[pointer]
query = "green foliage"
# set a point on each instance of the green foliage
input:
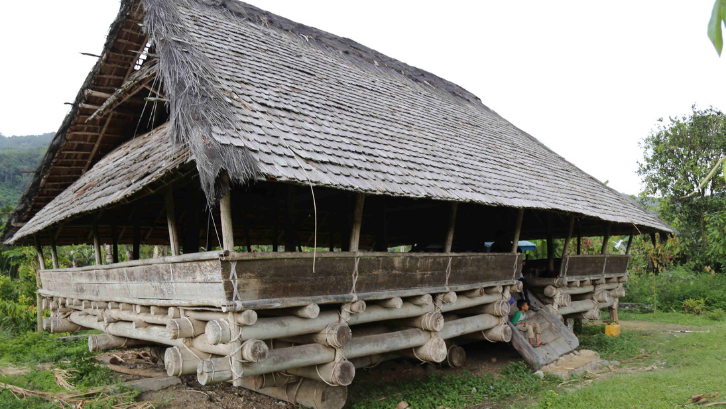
(548, 400)
(677, 156)
(670, 290)
(694, 306)
(452, 391)
(718, 16)
(716, 315)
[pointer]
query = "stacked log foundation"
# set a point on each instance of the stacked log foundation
(312, 350)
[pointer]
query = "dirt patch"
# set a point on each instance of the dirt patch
(654, 326)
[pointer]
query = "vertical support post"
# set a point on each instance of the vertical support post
(579, 238)
(96, 241)
(613, 314)
(171, 221)
(225, 213)
(449, 242)
(114, 243)
(566, 246)
(606, 239)
(357, 221)
(191, 223)
(652, 239)
(136, 252)
(38, 301)
(331, 234)
(248, 241)
(550, 246)
(236, 346)
(517, 230)
(291, 239)
(630, 241)
(53, 250)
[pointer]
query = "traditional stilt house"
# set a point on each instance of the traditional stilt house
(220, 130)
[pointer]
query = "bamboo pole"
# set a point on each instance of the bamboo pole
(517, 230)
(53, 250)
(171, 221)
(450, 231)
(96, 241)
(357, 221)
(225, 210)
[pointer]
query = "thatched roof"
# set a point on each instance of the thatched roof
(265, 98)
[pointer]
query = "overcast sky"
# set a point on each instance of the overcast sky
(589, 79)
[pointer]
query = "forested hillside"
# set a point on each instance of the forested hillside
(19, 154)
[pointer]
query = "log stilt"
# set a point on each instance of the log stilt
(395, 302)
(333, 373)
(306, 393)
(182, 361)
(185, 328)
(335, 335)
(59, 325)
(425, 299)
(104, 342)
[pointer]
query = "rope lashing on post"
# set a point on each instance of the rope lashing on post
(354, 277)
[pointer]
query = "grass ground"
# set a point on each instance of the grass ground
(661, 368)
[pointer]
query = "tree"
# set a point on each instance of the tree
(678, 156)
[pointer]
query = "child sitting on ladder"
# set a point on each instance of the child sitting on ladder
(533, 329)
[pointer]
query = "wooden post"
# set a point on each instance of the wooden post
(579, 238)
(291, 239)
(38, 301)
(114, 243)
(606, 239)
(357, 221)
(566, 246)
(652, 239)
(53, 250)
(137, 237)
(517, 230)
(225, 212)
(171, 221)
(96, 241)
(550, 246)
(630, 241)
(191, 223)
(450, 231)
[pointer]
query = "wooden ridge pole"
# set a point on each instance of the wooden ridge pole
(225, 211)
(517, 230)
(171, 221)
(96, 240)
(53, 250)
(605, 239)
(357, 221)
(450, 231)
(566, 246)
(38, 302)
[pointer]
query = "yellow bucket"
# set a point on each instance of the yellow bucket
(612, 330)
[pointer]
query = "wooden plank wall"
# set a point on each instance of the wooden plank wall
(191, 280)
(592, 265)
(285, 275)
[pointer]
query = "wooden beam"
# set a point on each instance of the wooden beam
(96, 241)
(630, 241)
(449, 240)
(53, 250)
(98, 142)
(171, 221)
(566, 246)
(39, 252)
(381, 243)
(517, 230)
(225, 212)
(357, 221)
(605, 239)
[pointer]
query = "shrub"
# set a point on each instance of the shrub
(694, 306)
(669, 290)
(716, 315)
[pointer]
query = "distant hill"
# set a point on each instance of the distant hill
(18, 154)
